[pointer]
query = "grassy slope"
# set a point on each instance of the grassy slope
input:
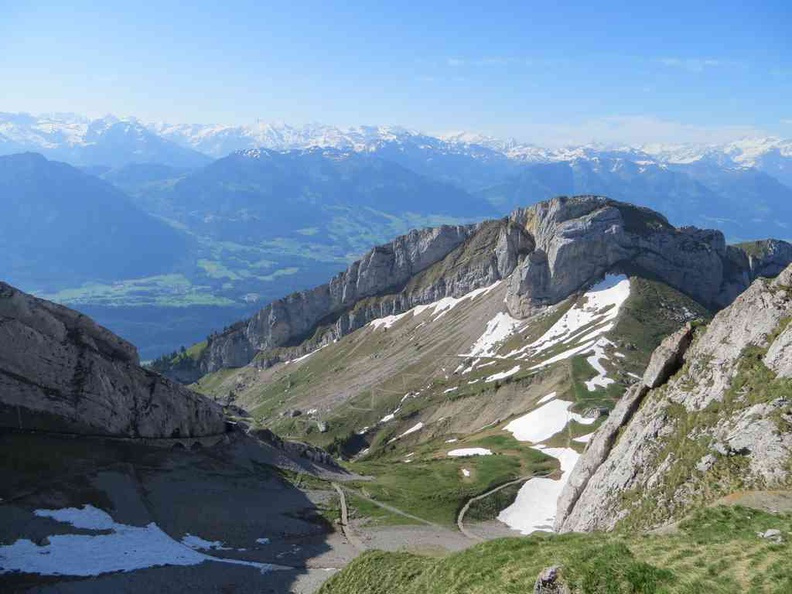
(432, 486)
(715, 551)
(374, 369)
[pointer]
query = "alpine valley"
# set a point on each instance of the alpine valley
(242, 215)
(437, 417)
(409, 363)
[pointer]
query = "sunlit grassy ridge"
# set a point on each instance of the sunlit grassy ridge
(716, 550)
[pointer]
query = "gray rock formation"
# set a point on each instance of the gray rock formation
(723, 421)
(665, 361)
(62, 372)
(297, 449)
(550, 581)
(547, 252)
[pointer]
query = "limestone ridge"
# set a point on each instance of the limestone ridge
(62, 372)
(709, 417)
(665, 361)
(547, 251)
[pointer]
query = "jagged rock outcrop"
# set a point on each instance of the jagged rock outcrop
(581, 238)
(298, 449)
(282, 322)
(550, 581)
(665, 361)
(547, 251)
(722, 422)
(62, 372)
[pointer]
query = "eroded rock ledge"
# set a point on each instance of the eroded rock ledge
(547, 251)
(62, 372)
(678, 440)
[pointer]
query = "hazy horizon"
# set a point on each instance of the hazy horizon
(576, 75)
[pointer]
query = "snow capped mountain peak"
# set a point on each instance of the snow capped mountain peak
(59, 135)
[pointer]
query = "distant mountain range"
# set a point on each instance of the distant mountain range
(81, 141)
(230, 216)
(60, 225)
(133, 141)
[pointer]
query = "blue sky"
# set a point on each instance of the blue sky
(547, 72)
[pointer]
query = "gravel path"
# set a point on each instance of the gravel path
(464, 510)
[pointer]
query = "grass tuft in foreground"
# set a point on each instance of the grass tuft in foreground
(716, 550)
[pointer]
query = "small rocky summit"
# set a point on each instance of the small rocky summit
(61, 372)
(546, 251)
(713, 414)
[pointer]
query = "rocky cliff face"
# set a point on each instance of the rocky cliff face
(61, 372)
(722, 423)
(548, 251)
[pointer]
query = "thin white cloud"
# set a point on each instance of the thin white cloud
(696, 64)
(457, 62)
(788, 122)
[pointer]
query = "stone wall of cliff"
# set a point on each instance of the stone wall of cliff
(547, 252)
(62, 372)
(722, 423)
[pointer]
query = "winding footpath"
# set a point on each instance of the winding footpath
(464, 510)
(345, 527)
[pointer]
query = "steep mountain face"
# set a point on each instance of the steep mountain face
(711, 416)
(262, 194)
(113, 478)
(61, 372)
(547, 251)
(59, 224)
(743, 203)
(462, 359)
(80, 141)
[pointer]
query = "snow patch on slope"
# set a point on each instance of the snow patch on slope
(534, 508)
(544, 422)
(503, 374)
(436, 309)
(465, 452)
(498, 329)
(124, 548)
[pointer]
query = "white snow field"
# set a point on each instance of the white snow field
(544, 422)
(125, 548)
(499, 328)
(503, 374)
(304, 357)
(465, 452)
(413, 429)
(534, 509)
(601, 380)
(438, 309)
(581, 330)
(198, 543)
(600, 306)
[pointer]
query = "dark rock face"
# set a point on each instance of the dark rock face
(60, 371)
(297, 448)
(547, 251)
